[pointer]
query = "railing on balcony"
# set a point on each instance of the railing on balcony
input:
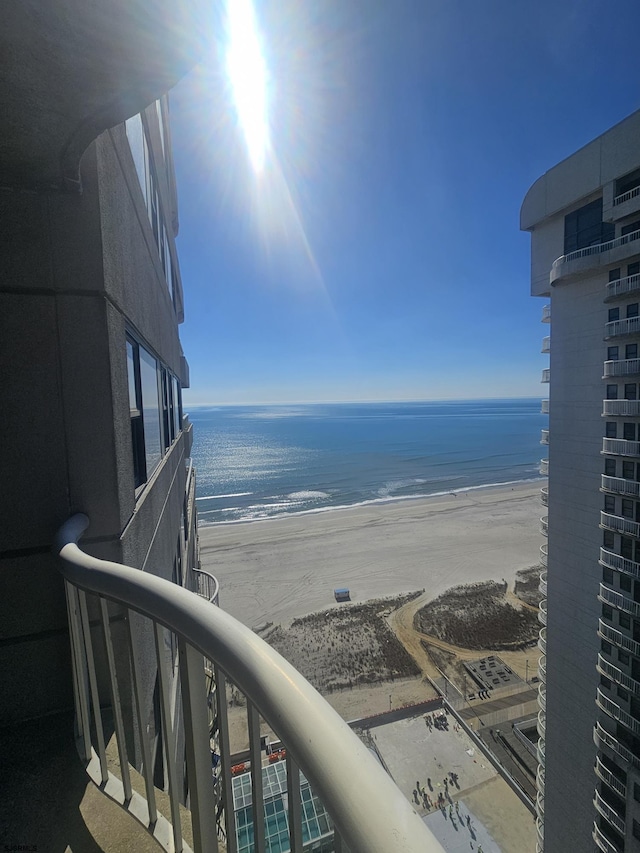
(544, 467)
(542, 586)
(542, 696)
(609, 813)
(544, 525)
(632, 193)
(546, 344)
(619, 563)
(540, 750)
(544, 553)
(542, 668)
(603, 842)
(619, 524)
(602, 737)
(368, 810)
(597, 249)
(618, 638)
(542, 717)
(542, 640)
(622, 286)
(621, 408)
(544, 495)
(542, 612)
(620, 447)
(544, 436)
(546, 313)
(612, 596)
(546, 375)
(624, 367)
(207, 586)
(544, 407)
(619, 328)
(620, 486)
(612, 781)
(617, 675)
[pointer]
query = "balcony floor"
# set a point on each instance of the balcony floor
(47, 801)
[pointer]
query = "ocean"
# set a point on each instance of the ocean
(258, 462)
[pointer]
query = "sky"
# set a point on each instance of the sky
(372, 250)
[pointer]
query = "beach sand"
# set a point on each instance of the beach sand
(278, 569)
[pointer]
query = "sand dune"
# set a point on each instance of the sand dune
(278, 569)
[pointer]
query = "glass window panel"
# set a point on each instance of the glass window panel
(150, 409)
(138, 146)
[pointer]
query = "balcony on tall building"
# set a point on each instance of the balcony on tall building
(544, 496)
(546, 313)
(542, 668)
(619, 601)
(610, 560)
(620, 486)
(603, 739)
(542, 696)
(546, 375)
(542, 586)
(542, 640)
(612, 635)
(621, 408)
(542, 612)
(603, 842)
(544, 467)
(544, 436)
(620, 447)
(197, 640)
(609, 778)
(619, 524)
(546, 344)
(622, 328)
(609, 813)
(544, 554)
(622, 287)
(623, 367)
(591, 257)
(617, 675)
(544, 525)
(544, 407)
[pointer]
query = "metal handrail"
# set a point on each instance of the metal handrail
(623, 367)
(597, 249)
(632, 193)
(623, 285)
(370, 812)
(208, 586)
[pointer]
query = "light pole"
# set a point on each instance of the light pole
(526, 670)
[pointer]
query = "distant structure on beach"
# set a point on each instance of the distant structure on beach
(584, 219)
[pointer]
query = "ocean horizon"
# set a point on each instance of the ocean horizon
(256, 462)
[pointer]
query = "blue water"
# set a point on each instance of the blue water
(256, 462)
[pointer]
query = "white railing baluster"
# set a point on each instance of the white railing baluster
(168, 736)
(147, 766)
(115, 701)
(93, 684)
(80, 686)
(196, 724)
(295, 806)
(225, 760)
(253, 722)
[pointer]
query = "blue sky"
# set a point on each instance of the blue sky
(377, 256)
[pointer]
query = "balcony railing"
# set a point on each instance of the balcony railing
(602, 737)
(544, 553)
(619, 563)
(632, 193)
(618, 638)
(620, 486)
(542, 696)
(544, 467)
(542, 668)
(603, 842)
(617, 675)
(615, 711)
(542, 717)
(612, 781)
(546, 344)
(620, 524)
(542, 640)
(609, 813)
(612, 596)
(368, 810)
(544, 436)
(622, 286)
(597, 249)
(620, 328)
(540, 750)
(540, 778)
(546, 375)
(208, 586)
(624, 367)
(544, 525)
(542, 612)
(546, 313)
(620, 447)
(544, 495)
(544, 407)
(542, 586)
(621, 408)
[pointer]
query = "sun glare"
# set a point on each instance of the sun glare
(247, 71)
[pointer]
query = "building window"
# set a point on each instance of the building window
(624, 620)
(630, 228)
(632, 310)
(623, 657)
(612, 353)
(636, 792)
(614, 275)
(608, 539)
(135, 409)
(629, 431)
(612, 392)
(605, 682)
(622, 694)
(627, 508)
(625, 583)
(628, 470)
(607, 575)
(636, 829)
(611, 429)
(610, 504)
(607, 612)
(626, 547)
(610, 467)
(633, 269)
(630, 391)
(631, 351)
(605, 647)
(614, 314)
(584, 227)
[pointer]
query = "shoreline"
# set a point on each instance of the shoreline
(382, 501)
(280, 568)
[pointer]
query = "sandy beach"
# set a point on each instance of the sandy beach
(279, 569)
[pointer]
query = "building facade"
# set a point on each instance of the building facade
(584, 220)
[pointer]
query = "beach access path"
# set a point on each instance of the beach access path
(279, 569)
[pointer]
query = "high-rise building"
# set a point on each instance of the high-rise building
(584, 219)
